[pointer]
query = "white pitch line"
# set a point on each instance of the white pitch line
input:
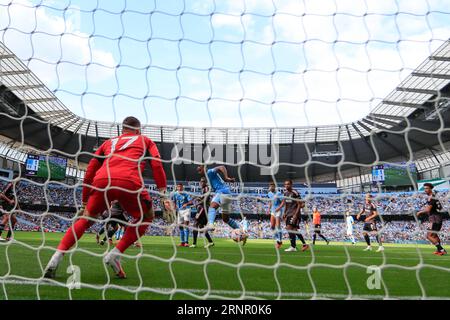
(248, 294)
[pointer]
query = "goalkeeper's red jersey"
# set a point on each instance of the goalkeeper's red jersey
(124, 158)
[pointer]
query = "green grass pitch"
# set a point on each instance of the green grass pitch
(258, 270)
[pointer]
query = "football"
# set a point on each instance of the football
(238, 235)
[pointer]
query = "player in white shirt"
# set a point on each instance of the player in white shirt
(349, 221)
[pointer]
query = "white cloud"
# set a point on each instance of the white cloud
(226, 20)
(44, 40)
(338, 67)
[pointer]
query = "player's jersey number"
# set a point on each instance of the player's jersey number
(115, 141)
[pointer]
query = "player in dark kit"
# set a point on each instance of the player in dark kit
(292, 204)
(433, 209)
(201, 220)
(370, 223)
(7, 216)
(117, 219)
(115, 173)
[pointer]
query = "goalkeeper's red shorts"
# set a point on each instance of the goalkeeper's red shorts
(133, 200)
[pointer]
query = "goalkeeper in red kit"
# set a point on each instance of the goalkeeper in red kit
(115, 173)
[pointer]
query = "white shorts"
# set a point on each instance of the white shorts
(276, 214)
(349, 232)
(224, 200)
(184, 215)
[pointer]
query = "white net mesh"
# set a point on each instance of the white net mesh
(317, 91)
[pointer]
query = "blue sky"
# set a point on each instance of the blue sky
(252, 63)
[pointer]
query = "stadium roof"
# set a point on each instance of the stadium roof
(413, 117)
(420, 90)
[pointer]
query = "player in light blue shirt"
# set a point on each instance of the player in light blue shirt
(182, 204)
(222, 197)
(275, 210)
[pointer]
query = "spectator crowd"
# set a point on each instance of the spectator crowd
(61, 195)
(55, 194)
(334, 230)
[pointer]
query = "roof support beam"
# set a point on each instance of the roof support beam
(6, 56)
(78, 127)
(315, 138)
(70, 124)
(378, 115)
(363, 138)
(389, 123)
(440, 58)
(405, 104)
(26, 87)
(431, 75)
(52, 113)
(13, 73)
(39, 100)
(291, 156)
(423, 91)
(86, 135)
(373, 124)
(365, 127)
(96, 134)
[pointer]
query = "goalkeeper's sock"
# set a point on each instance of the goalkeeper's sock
(211, 215)
(74, 233)
(293, 240)
(300, 237)
(367, 238)
(233, 224)
(323, 237)
(314, 238)
(131, 234)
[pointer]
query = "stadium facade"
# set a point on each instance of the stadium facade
(408, 125)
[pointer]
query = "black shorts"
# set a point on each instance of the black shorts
(317, 228)
(292, 221)
(7, 206)
(370, 226)
(201, 219)
(112, 224)
(119, 220)
(435, 226)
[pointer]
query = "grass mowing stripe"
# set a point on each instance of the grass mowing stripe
(154, 272)
(247, 294)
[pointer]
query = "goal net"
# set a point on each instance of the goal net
(339, 98)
